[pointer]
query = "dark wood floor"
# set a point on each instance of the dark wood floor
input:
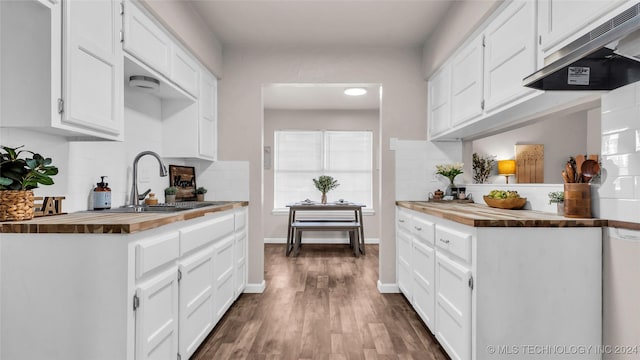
(324, 304)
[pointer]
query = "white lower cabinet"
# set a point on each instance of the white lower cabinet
(453, 307)
(157, 316)
(154, 294)
(196, 300)
(489, 292)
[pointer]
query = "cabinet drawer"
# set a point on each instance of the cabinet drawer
(404, 220)
(456, 242)
(205, 232)
(241, 219)
(155, 252)
(423, 230)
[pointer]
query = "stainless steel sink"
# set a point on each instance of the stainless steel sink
(164, 208)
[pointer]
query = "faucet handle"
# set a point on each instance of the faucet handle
(144, 194)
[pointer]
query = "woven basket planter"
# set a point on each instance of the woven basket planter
(16, 205)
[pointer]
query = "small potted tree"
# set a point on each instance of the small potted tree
(170, 194)
(324, 183)
(557, 197)
(200, 193)
(18, 176)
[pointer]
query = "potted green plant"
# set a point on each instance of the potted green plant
(200, 193)
(19, 174)
(170, 194)
(324, 184)
(557, 197)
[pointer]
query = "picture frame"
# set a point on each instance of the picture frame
(184, 178)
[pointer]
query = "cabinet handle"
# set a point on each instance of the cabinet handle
(444, 240)
(418, 228)
(400, 220)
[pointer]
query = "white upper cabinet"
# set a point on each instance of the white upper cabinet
(509, 53)
(466, 83)
(208, 123)
(184, 71)
(559, 19)
(61, 67)
(145, 40)
(93, 63)
(440, 101)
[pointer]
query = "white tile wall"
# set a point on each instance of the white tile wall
(619, 194)
(416, 166)
(225, 180)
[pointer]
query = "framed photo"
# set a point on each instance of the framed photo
(184, 178)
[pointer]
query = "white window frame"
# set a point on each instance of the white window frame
(368, 210)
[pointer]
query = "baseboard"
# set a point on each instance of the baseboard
(255, 288)
(388, 288)
(319, 241)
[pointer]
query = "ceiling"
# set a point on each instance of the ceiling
(313, 23)
(319, 96)
(322, 23)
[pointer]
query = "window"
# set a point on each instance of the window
(300, 156)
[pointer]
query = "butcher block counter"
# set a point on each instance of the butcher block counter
(478, 215)
(101, 222)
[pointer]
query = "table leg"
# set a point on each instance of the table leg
(290, 239)
(361, 235)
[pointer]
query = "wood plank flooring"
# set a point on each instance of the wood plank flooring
(323, 304)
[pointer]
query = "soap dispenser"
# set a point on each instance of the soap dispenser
(102, 195)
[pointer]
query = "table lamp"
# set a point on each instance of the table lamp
(506, 168)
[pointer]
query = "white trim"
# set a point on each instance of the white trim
(388, 288)
(255, 288)
(320, 241)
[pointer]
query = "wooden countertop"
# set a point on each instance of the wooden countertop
(483, 216)
(99, 222)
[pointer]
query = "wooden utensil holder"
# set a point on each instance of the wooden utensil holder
(577, 200)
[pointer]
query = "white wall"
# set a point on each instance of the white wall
(562, 137)
(403, 110)
(275, 225)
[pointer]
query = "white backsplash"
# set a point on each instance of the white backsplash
(81, 163)
(620, 190)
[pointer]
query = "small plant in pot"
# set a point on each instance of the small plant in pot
(19, 174)
(557, 197)
(324, 184)
(200, 193)
(170, 194)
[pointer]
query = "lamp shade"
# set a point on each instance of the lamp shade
(506, 167)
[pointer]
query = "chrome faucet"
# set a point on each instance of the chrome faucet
(135, 197)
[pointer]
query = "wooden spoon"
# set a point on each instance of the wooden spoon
(568, 169)
(590, 168)
(579, 161)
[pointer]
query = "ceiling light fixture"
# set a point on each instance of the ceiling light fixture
(355, 91)
(144, 82)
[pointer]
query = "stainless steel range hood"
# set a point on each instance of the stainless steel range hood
(604, 59)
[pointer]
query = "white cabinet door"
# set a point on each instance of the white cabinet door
(208, 123)
(403, 240)
(196, 300)
(157, 317)
(145, 40)
(93, 67)
(466, 83)
(223, 276)
(559, 19)
(453, 307)
(241, 236)
(509, 53)
(423, 265)
(184, 70)
(439, 101)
